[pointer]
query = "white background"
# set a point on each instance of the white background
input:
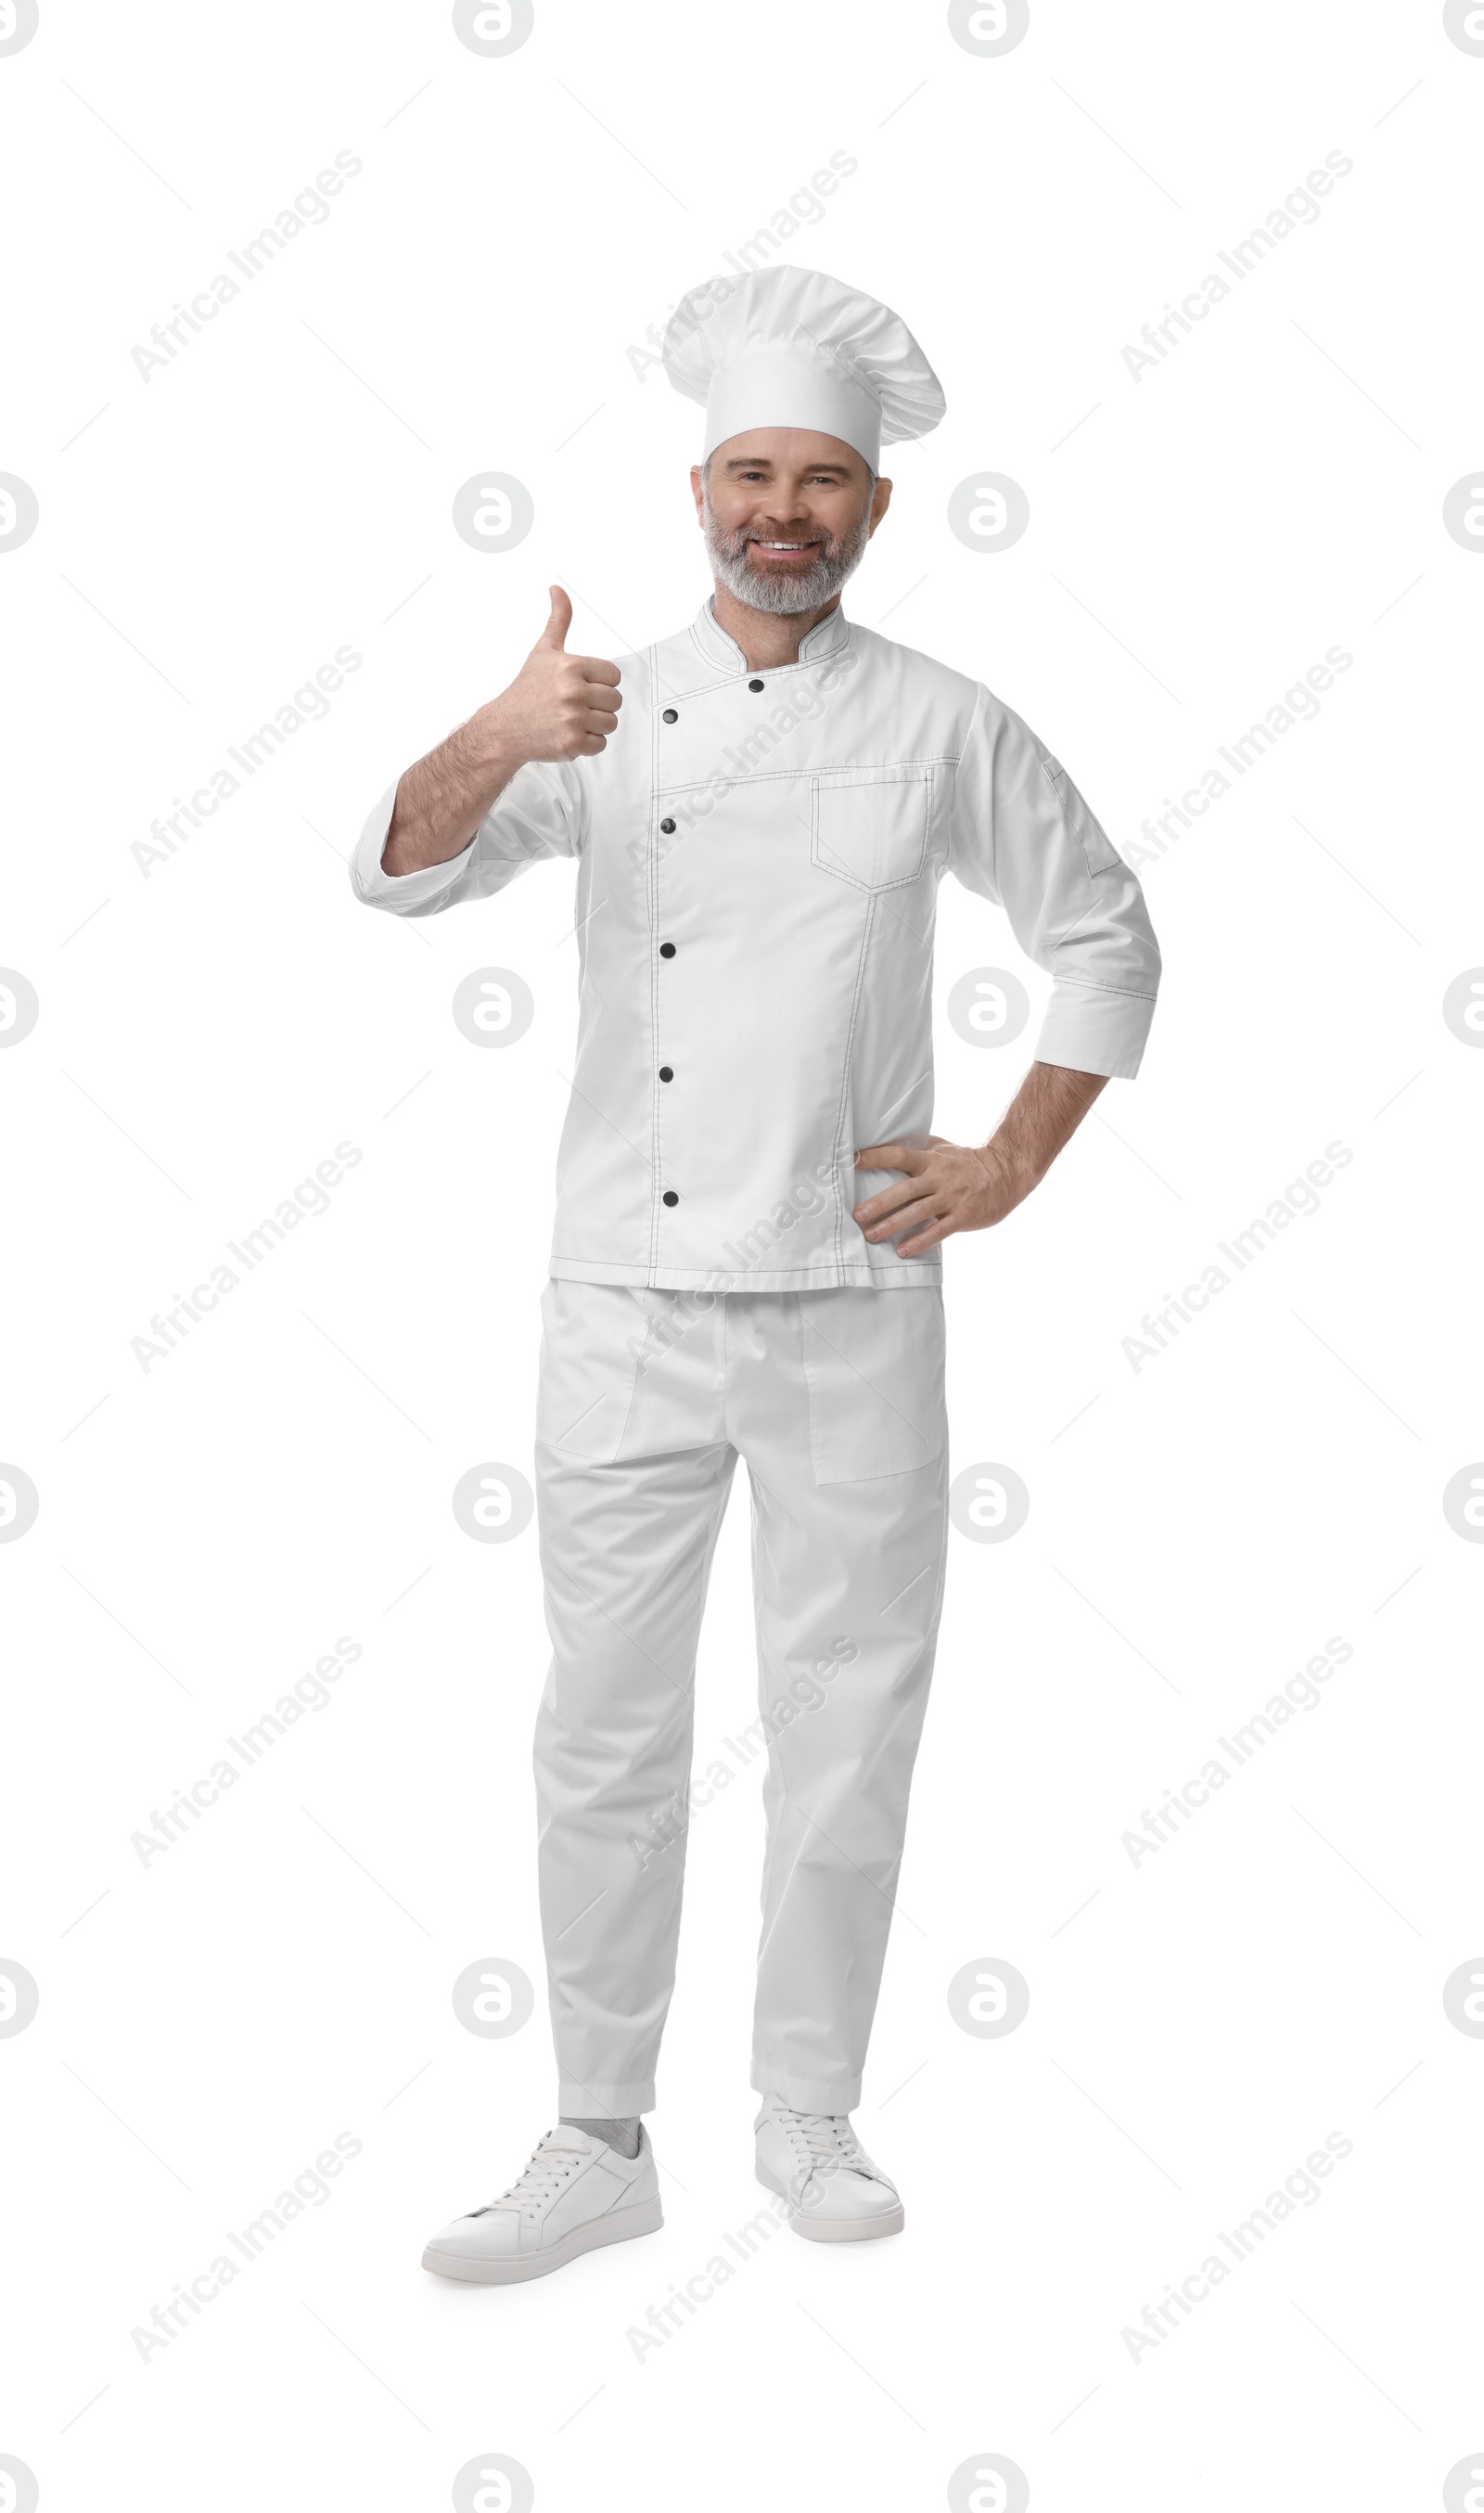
(1199, 1527)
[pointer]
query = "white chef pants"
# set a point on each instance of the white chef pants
(647, 1399)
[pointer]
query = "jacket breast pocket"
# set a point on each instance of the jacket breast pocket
(871, 827)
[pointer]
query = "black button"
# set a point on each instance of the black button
(666, 950)
(667, 1073)
(669, 1196)
(754, 685)
(670, 716)
(667, 828)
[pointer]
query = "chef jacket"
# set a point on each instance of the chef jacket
(758, 855)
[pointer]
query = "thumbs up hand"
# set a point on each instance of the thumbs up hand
(559, 705)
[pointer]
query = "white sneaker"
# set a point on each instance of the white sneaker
(575, 2193)
(816, 2163)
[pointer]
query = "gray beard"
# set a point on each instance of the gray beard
(835, 564)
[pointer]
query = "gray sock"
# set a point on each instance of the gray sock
(622, 2135)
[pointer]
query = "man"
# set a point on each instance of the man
(749, 1218)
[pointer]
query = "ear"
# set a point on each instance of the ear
(881, 499)
(698, 491)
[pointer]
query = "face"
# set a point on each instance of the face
(786, 515)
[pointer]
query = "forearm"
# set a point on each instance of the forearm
(442, 800)
(1039, 1121)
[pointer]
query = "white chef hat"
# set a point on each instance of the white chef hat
(795, 348)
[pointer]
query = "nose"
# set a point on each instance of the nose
(778, 508)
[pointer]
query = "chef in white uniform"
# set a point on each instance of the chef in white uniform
(750, 1209)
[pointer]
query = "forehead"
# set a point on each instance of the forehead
(786, 449)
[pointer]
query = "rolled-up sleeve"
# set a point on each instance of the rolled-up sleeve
(1023, 837)
(542, 811)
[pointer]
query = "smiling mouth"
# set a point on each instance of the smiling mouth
(786, 549)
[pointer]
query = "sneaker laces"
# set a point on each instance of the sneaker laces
(822, 2139)
(549, 2167)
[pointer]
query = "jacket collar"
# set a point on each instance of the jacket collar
(826, 637)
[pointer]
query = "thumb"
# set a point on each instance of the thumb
(554, 633)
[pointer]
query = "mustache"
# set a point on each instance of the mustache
(736, 543)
